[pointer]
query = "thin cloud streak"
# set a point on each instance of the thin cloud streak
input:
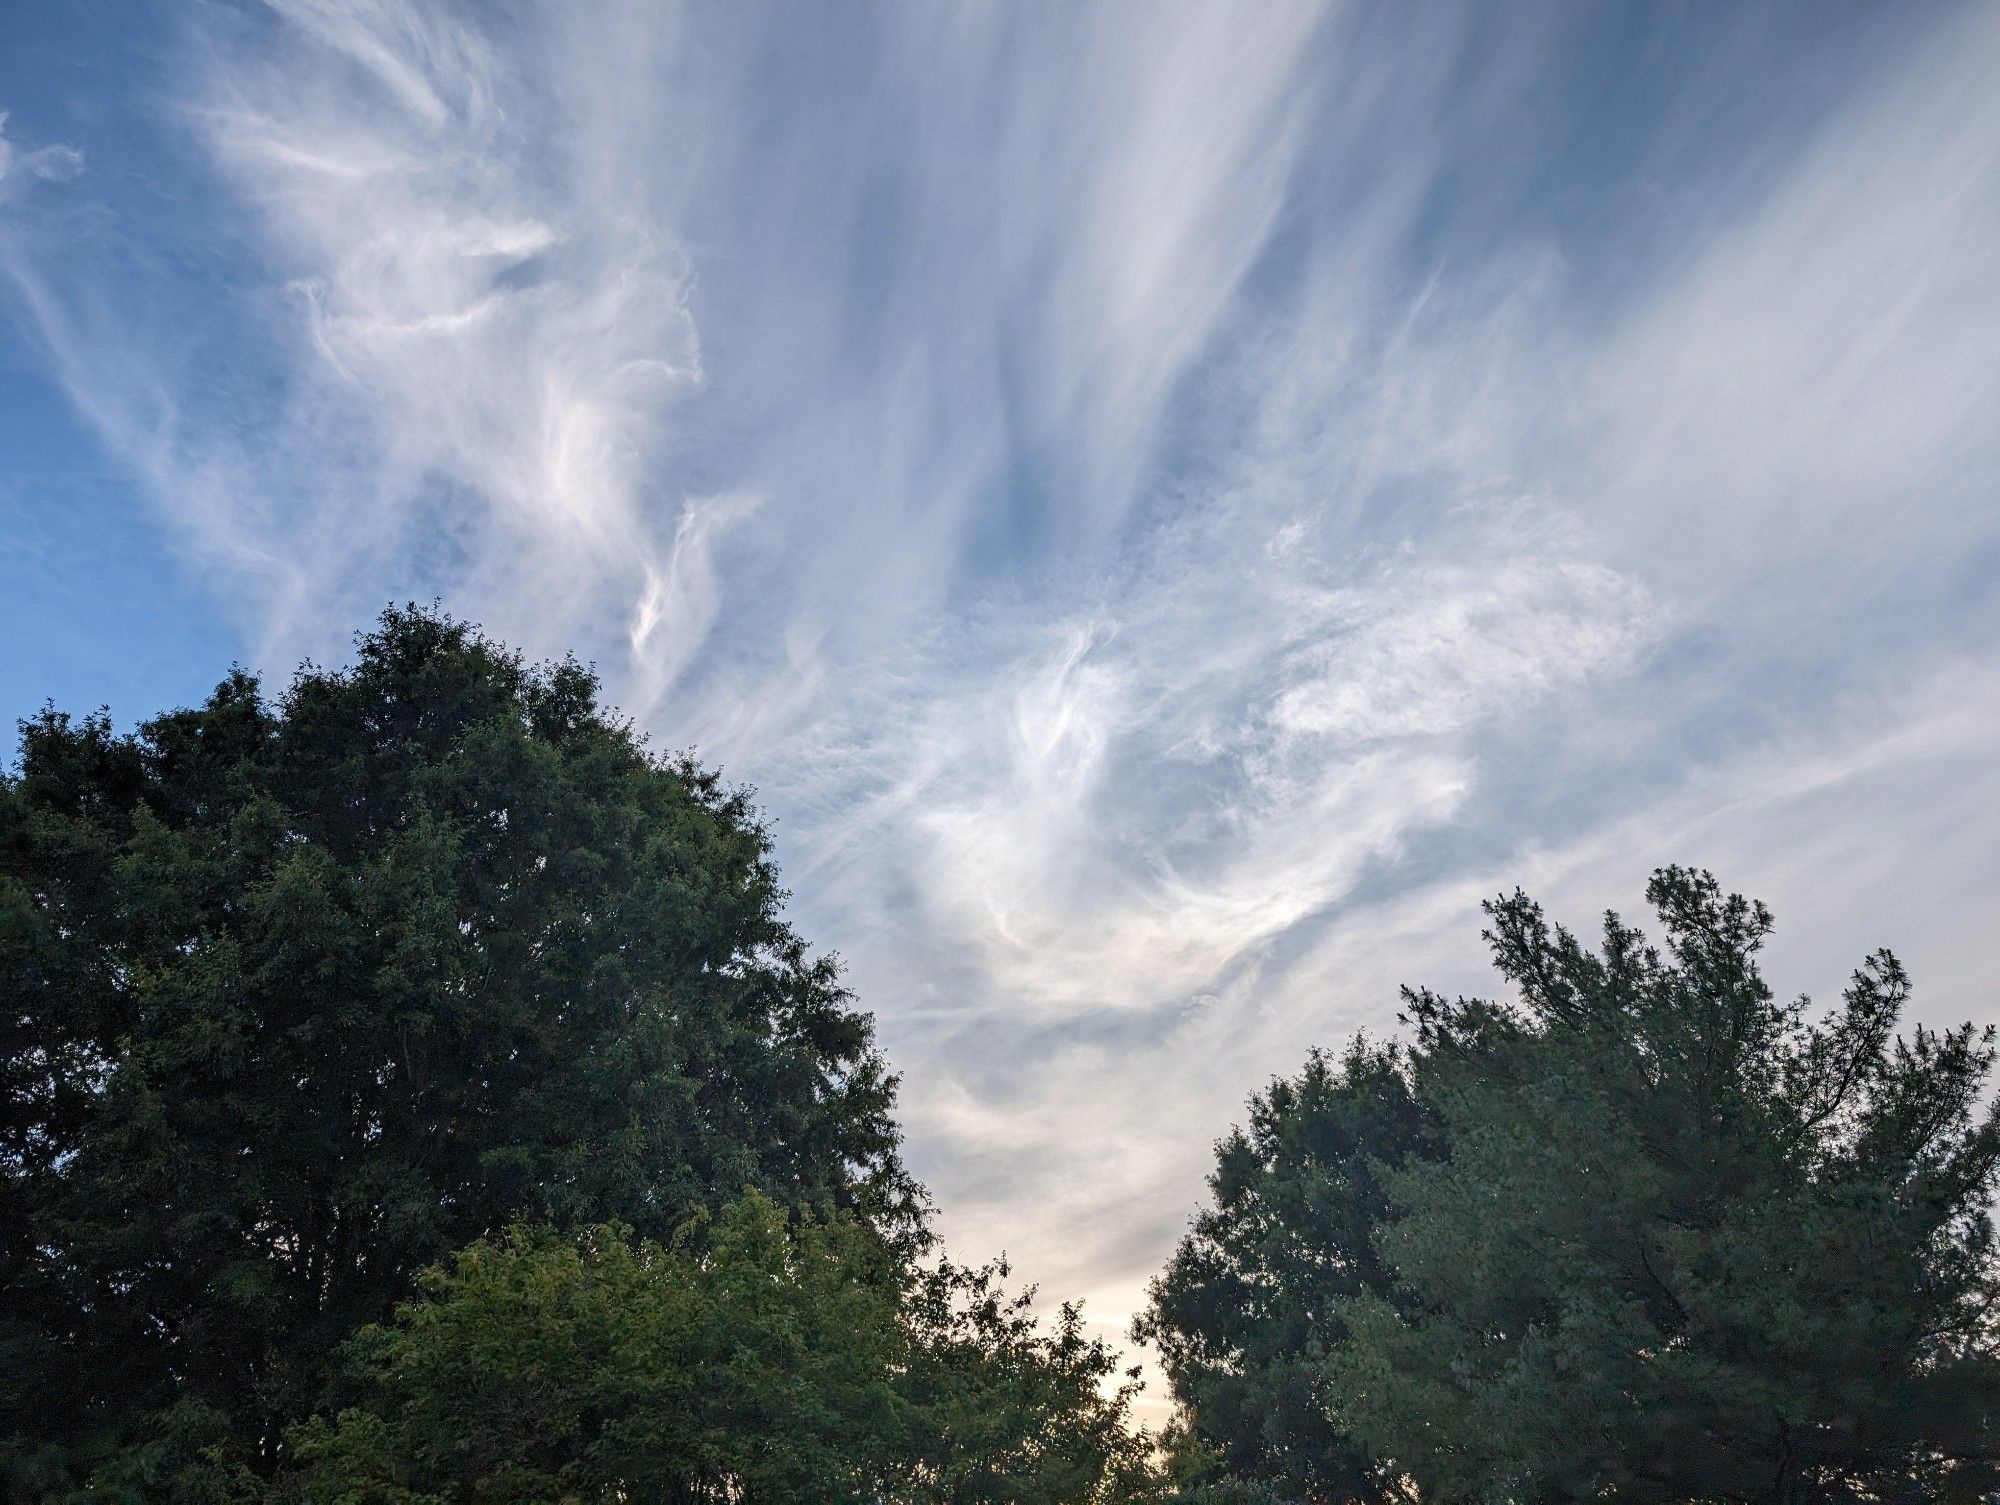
(503, 335)
(21, 167)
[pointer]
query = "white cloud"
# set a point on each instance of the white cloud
(49, 164)
(502, 332)
(1803, 404)
(1120, 810)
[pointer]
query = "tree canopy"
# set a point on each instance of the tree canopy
(752, 1358)
(1644, 1232)
(306, 991)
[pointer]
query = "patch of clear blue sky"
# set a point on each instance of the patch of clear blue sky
(98, 604)
(96, 607)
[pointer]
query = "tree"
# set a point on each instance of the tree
(1248, 1309)
(1005, 1412)
(746, 1360)
(753, 1359)
(303, 994)
(1667, 1238)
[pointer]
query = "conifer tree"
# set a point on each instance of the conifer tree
(1644, 1232)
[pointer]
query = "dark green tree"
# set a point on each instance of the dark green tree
(1663, 1237)
(1245, 1314)
(301, 994)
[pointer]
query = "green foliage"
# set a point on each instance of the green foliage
(1647, 1233)
(1003, 1412)
(744, 1360)
(303, 994)
(750, 1361)
(1245, 1315)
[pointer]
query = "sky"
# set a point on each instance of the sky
(1169, 504)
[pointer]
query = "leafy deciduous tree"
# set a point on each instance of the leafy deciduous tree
(746, 1360)
(302, 994)
(750, 1360)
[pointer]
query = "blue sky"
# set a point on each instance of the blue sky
(1170, 504)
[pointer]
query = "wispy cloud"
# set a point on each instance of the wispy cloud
(474, 338)
(1114, 809)
(20, 167)
(496, 330)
